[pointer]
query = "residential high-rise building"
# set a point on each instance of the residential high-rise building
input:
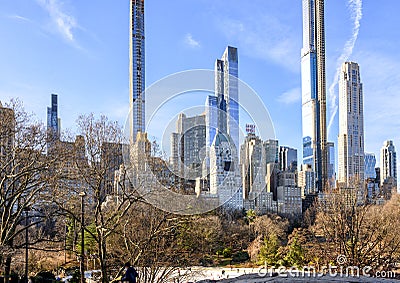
(306, 179)
(289, 200)
(53, 128)
(227, 93)
(222, 121)
(137, 68)
(351, 125)
(252, 165)
(271, 148)
(288, 194)
(211, 119)
(314, 90)
(369, 165)
(7, 140)
(388, 162)
(271, 179)
(188, 146)
(224, 173)
(322, 170)
(330, 150)
(287, 159)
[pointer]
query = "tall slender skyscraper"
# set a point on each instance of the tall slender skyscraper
(322, 172)
(222, 109)
(388, 162)
(226, 86)
(52, 118)
(314, 90)
(136, 68)
(223, 113)
(351, 125)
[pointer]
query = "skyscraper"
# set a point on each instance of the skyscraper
(188, 146)
(211, 119)
(7, 150)
(224, 173)
(388, 162)
(288, 159)
(271, 148)
(222, 109)
(322, 172)
(369, 165)
(7, 135)
(253, 165)
(226, 88)
(330, 150)
(136, 68)
(306, 179)
(351, 125)
(314, 90)
(222, 131)
(52, 118)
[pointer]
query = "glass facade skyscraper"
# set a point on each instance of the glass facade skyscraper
(52, 118)
(287, 159)
(211, 119)
(229, 83)
(271, 148)
(308, 82)
(137, 68)
(222, 108)
(222, 131)
(314, 90)
(369, 164)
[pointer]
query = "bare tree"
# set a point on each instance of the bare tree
(365, 234)
(96, 156)
(24, 175)
(151, 240)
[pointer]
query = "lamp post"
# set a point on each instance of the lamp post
(82, 257)
(26, 210)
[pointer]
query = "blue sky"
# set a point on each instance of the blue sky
(79, 50)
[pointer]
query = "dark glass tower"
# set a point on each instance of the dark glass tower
(136, 68)
(52, 119)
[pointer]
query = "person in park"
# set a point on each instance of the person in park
(130, 274)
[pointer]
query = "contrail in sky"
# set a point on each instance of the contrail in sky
(355, 7)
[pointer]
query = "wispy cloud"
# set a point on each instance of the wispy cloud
(291, 96)
(191, 42)
(265, 37)
(19, 18)
(65, 24)
(355, 7)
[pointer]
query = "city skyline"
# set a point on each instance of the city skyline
(35, 90)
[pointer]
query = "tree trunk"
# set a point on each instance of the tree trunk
(103, 260)
(7, 269)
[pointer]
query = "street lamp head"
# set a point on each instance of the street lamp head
(82, 194)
